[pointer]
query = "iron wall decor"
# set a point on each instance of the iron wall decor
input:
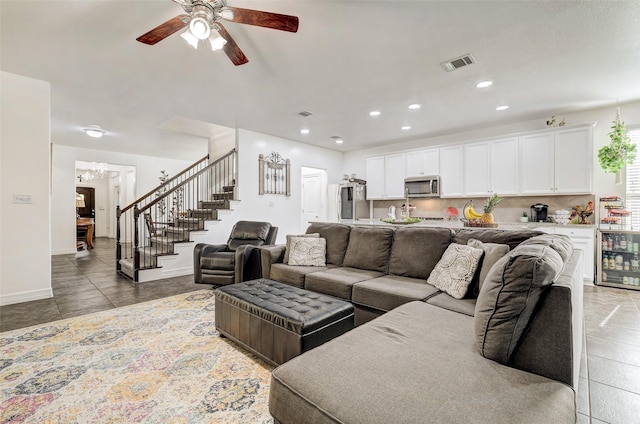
(274, 174)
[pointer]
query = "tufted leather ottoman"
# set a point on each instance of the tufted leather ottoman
(277, 321)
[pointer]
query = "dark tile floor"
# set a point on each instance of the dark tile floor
(609, 389)
(86, 282)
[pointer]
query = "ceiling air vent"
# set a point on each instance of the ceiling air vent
(458, 62)
(305, 113)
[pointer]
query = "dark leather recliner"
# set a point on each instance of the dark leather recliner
(222, 264)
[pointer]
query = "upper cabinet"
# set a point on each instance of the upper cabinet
(477, 169)
(385, 176)
(558, 162)
(451, 171)
(552, 161)
(423, 163)
(504, 166)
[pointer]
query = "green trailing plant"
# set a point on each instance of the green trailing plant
(620, 151)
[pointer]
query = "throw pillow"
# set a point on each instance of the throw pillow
(492, 252)
(455, 270)
(308, 251)
(288, 244)
(509, 297)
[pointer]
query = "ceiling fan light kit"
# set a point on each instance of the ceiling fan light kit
(203, 19)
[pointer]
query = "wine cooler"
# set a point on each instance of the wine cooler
(618, 259)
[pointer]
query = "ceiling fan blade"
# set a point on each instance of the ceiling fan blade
(264, 19)
(164, 30)
(231, 48)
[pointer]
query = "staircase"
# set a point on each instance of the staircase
(163, 223)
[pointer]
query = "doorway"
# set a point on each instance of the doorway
(314, 195)
(89, 209)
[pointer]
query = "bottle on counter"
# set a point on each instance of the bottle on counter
(616, 242)
(610, 242)
(623, 242)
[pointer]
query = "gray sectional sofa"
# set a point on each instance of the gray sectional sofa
(508, 352)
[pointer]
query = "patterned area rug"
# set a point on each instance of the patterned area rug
(154, 362)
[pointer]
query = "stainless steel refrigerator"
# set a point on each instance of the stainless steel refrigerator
(351, 201)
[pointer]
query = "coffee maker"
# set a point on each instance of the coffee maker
(538, 212)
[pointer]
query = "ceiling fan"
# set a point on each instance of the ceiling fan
(203, 19)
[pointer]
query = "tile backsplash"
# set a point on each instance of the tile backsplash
(509, 210)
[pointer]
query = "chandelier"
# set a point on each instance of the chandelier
(97, 171)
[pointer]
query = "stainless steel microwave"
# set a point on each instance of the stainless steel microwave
(422, 186)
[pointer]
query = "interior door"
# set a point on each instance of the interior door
(312, 196)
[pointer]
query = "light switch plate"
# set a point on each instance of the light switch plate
(23, 198)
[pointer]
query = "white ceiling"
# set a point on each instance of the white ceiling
(347, 58)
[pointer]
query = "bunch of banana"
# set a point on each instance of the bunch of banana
(469, 212)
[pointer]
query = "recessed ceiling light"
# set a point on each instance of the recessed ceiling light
(94, 131)
(503, 107)
(414, 106)
(374, 113)
(405, 128)
(304, 131)
(484, 84)
(339, 141)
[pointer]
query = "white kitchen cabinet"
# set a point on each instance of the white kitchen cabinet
(504, 166)
(451, 171)
(537, 161)
(557, 162)
(582, 239)
(477, 169)
(385, 176)
(574, 160)
(491, 167)
(423, 163)
(375, 177)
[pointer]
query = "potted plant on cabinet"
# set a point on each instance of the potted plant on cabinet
(619, 152)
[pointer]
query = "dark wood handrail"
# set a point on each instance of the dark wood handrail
(192, 177)
(141, 198)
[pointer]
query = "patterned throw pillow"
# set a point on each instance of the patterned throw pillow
(455, 270)
(287, 250)
(308, 251)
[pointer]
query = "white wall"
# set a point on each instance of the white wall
(25, 264)
(282, 211)
(603, 184)
(63, 238)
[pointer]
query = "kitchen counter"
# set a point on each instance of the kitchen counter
(458, 224)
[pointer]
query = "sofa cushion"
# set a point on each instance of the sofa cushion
(369, 248)
(492, 252)
(415, 364)
(287, 250)
(455, 270)
(337, 236)
(509, 297)
(308, 251)
(416, 251)
(511, 238)
(560, 243)
(338, 281)
(294, 275)
(462, 306)
(390, 291)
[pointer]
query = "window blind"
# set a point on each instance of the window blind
(633, 182)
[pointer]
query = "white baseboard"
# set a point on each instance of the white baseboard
(27, 296)
(63, 252)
